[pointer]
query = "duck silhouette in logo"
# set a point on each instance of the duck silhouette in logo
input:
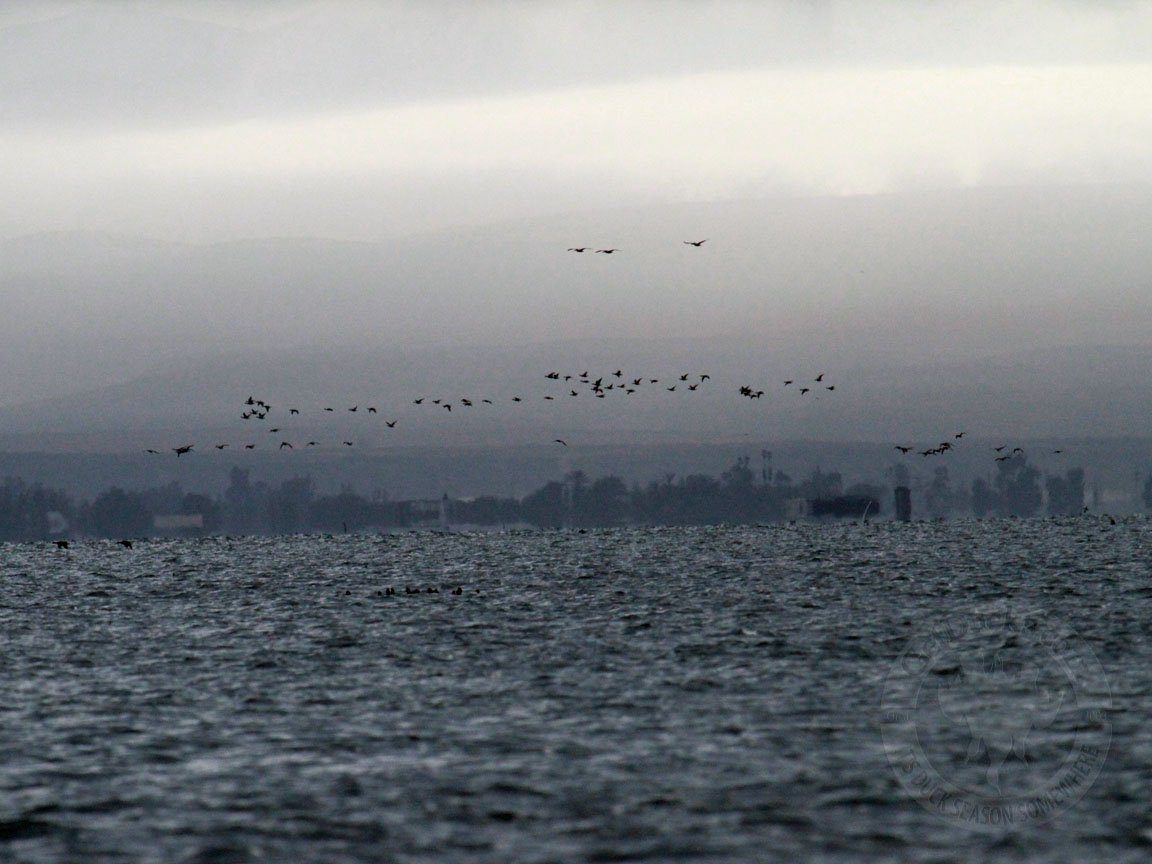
(1001, 698)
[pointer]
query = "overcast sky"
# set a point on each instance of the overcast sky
(201, 120)
(882, 180)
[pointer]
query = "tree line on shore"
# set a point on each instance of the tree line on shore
(739, 495)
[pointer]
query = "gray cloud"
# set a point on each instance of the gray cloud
(133, 64)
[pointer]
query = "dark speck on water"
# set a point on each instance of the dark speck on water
(710, 694)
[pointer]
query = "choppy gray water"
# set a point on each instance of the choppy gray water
(710, 694)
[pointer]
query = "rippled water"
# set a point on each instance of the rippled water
(711, 694)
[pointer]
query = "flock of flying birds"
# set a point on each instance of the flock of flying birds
(600, 387)
(946, 446)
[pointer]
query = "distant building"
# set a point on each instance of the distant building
(845, 506)
(796, 508)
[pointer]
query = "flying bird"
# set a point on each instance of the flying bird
(221, 446)
(560, 441)
(152, 451)
(180, 451)
(249, 446)
(696, 243)
(284, 444)
(391, 424)
(293, 410)
(577, 248)
(904, 450)
(607, 251)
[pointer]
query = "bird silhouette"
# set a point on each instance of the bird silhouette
(293, 410)
(371, 410)
(904, 450)
(284, 444)
(560, 441)
(418, 401)
(221, 446)
(347, 443)
(391, 424)
(819, 377)
(607, 251)
(249, 446)
(180, 451)
(152, 451)
(577, 248)
(696, 243)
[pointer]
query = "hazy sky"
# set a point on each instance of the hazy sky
(880, 180)
(201, 120)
